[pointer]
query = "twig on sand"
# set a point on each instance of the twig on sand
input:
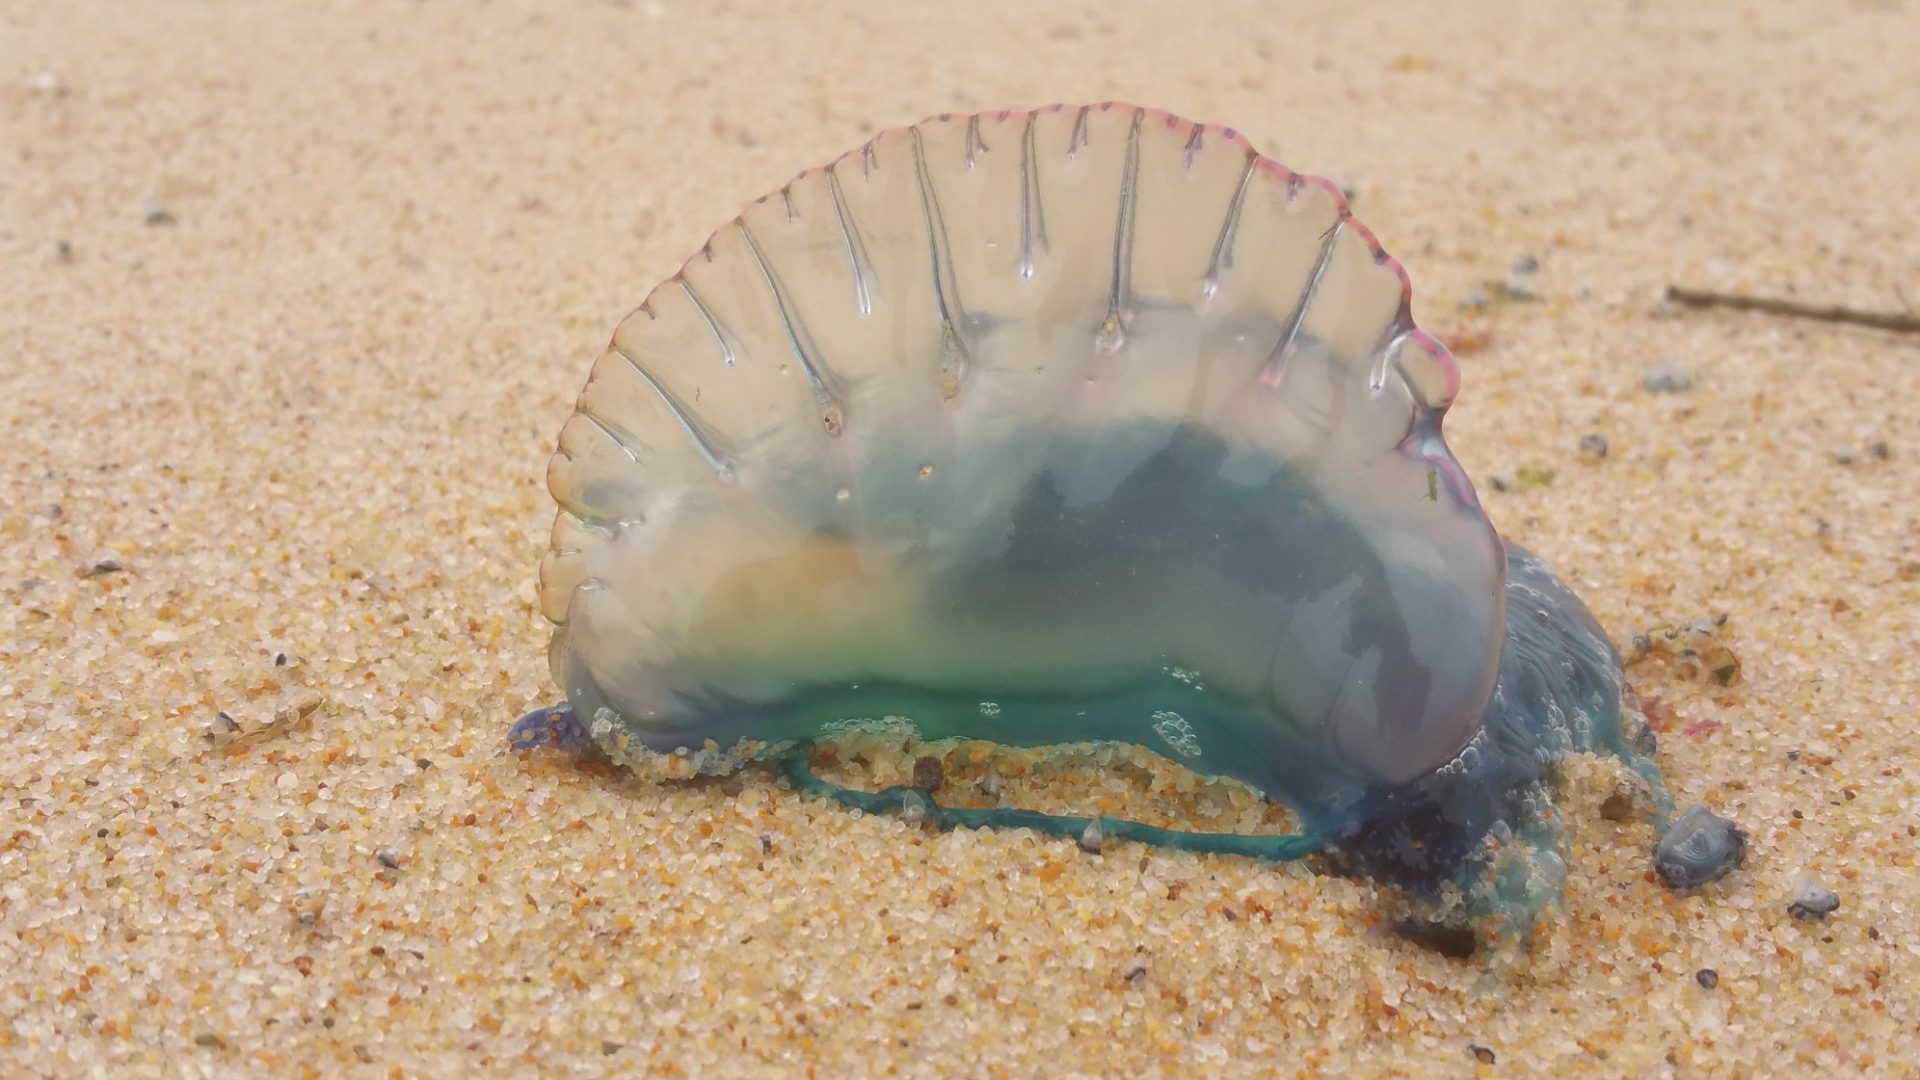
(1897, 321)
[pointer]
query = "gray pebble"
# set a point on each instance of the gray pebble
(1707, 978)
(1700, 846)
(1525, 264)
(1593, 444)
(1811, 903)
(222, 729)
(1666, 377)
(928, 773)
(1518, 287)
(106, 562)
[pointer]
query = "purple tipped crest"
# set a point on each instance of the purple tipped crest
(937, 426)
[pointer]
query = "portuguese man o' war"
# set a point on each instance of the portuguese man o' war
(1098, 417)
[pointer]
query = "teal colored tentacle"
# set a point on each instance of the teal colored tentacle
(1279, 848)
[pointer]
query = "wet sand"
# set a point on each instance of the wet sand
(293, 305)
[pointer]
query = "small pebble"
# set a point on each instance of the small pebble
(610, 1048)
(1617, 807)
(106, 562)
(928, 773)
(1525, 264)
(1593, 445)
(1700, 846)
(1522, 478)
(208, 1038)
(388, 857)
(1518, 287)
(307, 907)
(1811, 903)
(1093, 837)
(160, 215)
(1136, 973)
(223, 730)
(1666, 377)
(1707, 978)
(1483, 1054)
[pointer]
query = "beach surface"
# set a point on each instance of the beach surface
(294, 300)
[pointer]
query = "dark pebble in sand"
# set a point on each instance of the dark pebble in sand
(1593, 445)
(928, 773)
(1483, 1054)
(1700, 846)
(105, 563)
(1707, 978)
(1666, 377)
(1617, 807)
(1813, 903)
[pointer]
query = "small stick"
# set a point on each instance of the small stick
(1898, 322)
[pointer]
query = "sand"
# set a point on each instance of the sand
(292, 305)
